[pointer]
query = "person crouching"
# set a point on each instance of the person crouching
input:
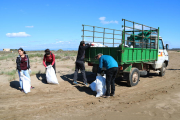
(49, 59)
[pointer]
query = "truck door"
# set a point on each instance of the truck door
(161, 55)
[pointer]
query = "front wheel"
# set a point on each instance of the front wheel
(133, 77)
(162, 70)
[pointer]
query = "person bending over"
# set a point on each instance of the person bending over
(49, 59)
(111, 66)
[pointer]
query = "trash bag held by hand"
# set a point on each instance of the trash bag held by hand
(100, 85)
(26, 83)
(50, 75)
(93, 86)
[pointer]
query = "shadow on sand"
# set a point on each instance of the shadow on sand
(90, 78)
(172, 69)
(15, 85)
(41, 77)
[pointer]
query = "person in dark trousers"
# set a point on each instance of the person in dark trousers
(23, 66)
(80, 63)
(49, 59)
(111, 66)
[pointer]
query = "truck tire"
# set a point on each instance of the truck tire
(162, 70)
(133, 77)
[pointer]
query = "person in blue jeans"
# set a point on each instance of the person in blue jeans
(111, 66)
(23, 66)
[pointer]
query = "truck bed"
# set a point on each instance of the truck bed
(122, 56)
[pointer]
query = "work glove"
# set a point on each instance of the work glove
(30, 71)
(98, 74)
(102, 73)
(50, 65)
(21, 73)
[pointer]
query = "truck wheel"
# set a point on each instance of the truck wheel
(133, 77)
(162, 70)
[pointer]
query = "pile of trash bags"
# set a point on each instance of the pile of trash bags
(99, 85)
(51, 76)
(97, 45)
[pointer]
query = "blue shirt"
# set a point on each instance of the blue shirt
(107, 61)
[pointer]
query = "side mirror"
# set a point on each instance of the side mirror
(167, 46)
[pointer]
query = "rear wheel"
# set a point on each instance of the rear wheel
(162, 70)
(133, 77)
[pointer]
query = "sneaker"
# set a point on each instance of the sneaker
(32, 87)
(86, 84)
(107, 96)
(75, 83)
(112, 94)
(22, 90)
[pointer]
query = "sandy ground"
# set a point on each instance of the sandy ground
(154, 98)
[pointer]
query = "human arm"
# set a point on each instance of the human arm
(86, 46)
(44, 59)
(53, 60)
(28, 62)
(100, 65)
(18, 62)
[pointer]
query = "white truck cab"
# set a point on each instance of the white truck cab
(163, 57)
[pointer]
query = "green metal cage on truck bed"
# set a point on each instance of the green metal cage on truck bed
(123, 54)
(137, 49)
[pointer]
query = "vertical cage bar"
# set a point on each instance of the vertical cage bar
(157, 42)
(113, 38)
(124, 33)
(93, 32)
(142, 38)
(150, 39)
(83, 33)
(133, 36)
(103, 35)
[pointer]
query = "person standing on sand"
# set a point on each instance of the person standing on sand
(49, 59)
(23, 66)
(111, 70)
(80, 63)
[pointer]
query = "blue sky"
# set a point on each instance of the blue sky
(57, 24)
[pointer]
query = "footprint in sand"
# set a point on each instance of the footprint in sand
(167, 115)
(152, 113)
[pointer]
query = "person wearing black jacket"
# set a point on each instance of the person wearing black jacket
(80, 63)
(23, 66)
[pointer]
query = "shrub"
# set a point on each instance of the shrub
(35, 55)
(58, 57)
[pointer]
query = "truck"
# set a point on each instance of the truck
(139, 50)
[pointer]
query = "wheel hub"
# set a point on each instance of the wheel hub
(135, 77)
(164, 69)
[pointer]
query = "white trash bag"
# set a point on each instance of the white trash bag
(26, 83)
(93, 86)
(100, 85)
(97, 45)
(50, 75)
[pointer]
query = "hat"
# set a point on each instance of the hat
(98, 54)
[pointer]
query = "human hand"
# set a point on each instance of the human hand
(102, 73)
(21, 73)
(30, 71)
